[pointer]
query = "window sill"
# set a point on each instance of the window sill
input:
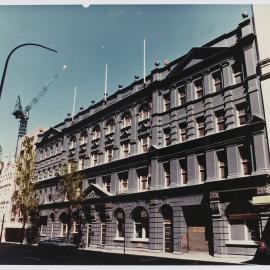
(242, 243)
(119, 239)
(142, 240)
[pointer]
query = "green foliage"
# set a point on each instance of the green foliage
(70, 184)
(24, 199)
(70, 190)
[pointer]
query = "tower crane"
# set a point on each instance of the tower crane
(23, 114)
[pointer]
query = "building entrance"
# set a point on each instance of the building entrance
(199, 228)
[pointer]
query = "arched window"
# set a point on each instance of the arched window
(96, 133)
(144, 112)
(110, 126)
(141, 223)
(120, 223)
(126, 120)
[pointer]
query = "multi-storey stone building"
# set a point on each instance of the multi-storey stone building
(171, 165)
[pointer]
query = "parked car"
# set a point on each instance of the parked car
(57, 246)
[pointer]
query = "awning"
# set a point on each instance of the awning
(261, 200)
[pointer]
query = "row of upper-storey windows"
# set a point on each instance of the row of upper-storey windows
(219, 124)
(198, 169)
(144, 114)
(193, 170)
(144, 141)
(217, 85)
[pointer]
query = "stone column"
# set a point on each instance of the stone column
(211, 165)
(190, 108)
(134, 135)
(192, 169)
(173, 116)
(114, 183)
(229, 110)
(233, 161)
(156, 181)
(260, 152)
(132, 180)
(174, 172)
(116, 145)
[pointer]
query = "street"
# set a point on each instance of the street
(12, 254)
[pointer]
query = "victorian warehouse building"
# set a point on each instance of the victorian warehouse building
(172, 165)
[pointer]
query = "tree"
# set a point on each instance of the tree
(24, 199)
(70, 190)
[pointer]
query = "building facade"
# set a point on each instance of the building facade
(7, 188)
(12, 223)
(171, 165)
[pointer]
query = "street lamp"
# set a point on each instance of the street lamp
(7, 60)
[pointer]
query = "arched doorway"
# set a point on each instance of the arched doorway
(167, 214)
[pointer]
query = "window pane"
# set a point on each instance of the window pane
(138, 230)
(237, 230)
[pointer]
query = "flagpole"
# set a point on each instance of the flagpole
(106, 82)
(144, 61)
(74, 100)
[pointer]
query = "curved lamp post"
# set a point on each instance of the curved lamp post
(7, 60)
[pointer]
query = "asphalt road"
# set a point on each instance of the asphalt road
(11, 254)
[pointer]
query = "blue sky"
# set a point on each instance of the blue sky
(87, 39)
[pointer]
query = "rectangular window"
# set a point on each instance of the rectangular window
(222, 164)
(109, 154)
(83, 139)
(220, 120)
(81, 163)
(201, 168)
(167, 180)
(182, 96)
(244, 229)
(217, 81)
(41, 155)
(198, 88)
(125, 150)
(237, 73)
(200, 127)
(143, 179)
(166, 99)
(183, 132)
(94, 159)
(183, 168)
(144, 144)
(242, 113)
(107, 183)
(51, 151)
(123, 182)
(245, 160)
(167, 136)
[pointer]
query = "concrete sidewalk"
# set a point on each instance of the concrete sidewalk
(203, 257)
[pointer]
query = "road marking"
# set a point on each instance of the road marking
(32, 258)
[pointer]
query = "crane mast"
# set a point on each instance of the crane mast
(23, 114)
